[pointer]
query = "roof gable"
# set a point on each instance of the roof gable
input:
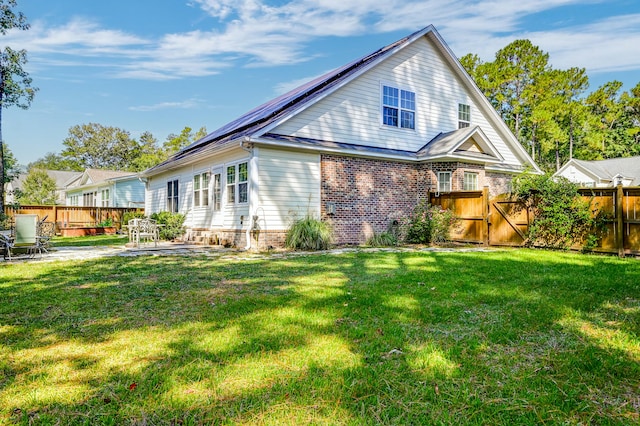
(265, 118)
(607, 170)
(469, 142)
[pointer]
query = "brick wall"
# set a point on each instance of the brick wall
(368, 195)
(499, 183)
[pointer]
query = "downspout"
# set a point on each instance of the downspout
(244, 140)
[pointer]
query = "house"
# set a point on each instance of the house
(358, 146)
(60, 177)
(602, 173)
(105, 188)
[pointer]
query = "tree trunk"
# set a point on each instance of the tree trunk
(2, 171)
(571, 138)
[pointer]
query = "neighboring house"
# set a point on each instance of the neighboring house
(105, 188)
(360, 146)
(60, 177)
(602, 173)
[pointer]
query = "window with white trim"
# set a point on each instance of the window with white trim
(172, 196)
(464, 116)
(398, 107)
(89, 199)
(217, 192)
(444, 181)
(104, 197)
(238, 183)
(201, 189)
(73, 200)
(470, 181)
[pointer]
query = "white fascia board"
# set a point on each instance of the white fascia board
(482, 100)
(295, 111)
(463, 158)
(330, 150)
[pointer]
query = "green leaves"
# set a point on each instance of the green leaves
(562, 218)
(547, 111)
(38, 188)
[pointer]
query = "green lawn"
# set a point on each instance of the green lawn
(503, 337)
(95, 240)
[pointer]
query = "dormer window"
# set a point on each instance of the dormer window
(398, 107)
(464, 116)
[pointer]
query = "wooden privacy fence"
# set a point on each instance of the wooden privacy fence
(72, 216)
(501, 221)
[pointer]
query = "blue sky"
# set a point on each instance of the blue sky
(146, 65)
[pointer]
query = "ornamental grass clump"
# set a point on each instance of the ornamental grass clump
(309, 233)
(383, 239)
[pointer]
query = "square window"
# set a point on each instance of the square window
(444, 181)
(201, 189)
(470, 181)
(398, 107)
(238, 183)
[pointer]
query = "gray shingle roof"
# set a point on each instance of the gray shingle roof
(268, 112)
(628, 167)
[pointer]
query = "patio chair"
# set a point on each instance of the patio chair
(6, 244)
(148, 230)
(26, 231)
(45, 232)
(132, 227)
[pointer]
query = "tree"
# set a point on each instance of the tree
(15, 83)
(38, 188)
(175, 143)
(101, 147)
(149, 153)
(53, 161)
(508, 80)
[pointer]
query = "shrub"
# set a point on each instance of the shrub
(131, 215)
(5, 221)
(428, 224)
(308, 233)
(106, 223)
(383, 239)
(561, 216)
(173, 224)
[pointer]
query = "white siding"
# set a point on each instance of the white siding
(577, 176)
(352, 114)
(289, 187)
(199, 217)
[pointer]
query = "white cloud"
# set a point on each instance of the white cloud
(188, 104)
(258, 33)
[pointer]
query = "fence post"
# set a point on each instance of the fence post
(485, 216)
(619, 220)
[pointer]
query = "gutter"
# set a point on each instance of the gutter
(249, 149)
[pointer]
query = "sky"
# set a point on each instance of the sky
(158, 66)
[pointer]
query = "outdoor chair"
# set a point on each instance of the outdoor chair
(45, 232)
(6, 244)
(145, 230)
(29, 234)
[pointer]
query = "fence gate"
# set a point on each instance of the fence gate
(508, 222)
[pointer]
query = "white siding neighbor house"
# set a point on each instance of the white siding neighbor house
(602, 173)
(359, 146)
(105, 188)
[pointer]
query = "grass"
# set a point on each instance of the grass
(87, 241)
(502, 337)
